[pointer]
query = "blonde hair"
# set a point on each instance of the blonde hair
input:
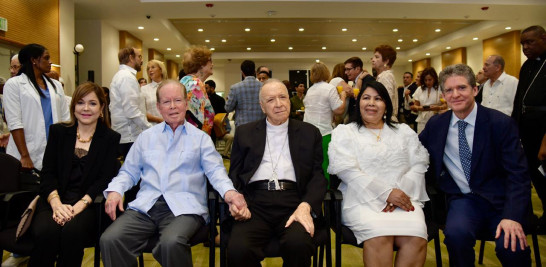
(319, 73)
(161, 65)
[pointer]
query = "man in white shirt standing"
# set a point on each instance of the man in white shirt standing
(127, 118)
(500, 88)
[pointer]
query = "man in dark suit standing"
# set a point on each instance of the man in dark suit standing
(530, 105)
(477, 160)
(276, 164)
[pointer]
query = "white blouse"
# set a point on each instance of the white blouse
(426, 99)
(320, 101)
(148, 92)
(370, 169)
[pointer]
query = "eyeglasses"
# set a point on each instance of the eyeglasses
(14, 67)
(349, 69)
(176, 102)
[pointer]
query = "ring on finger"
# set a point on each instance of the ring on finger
(390, 204)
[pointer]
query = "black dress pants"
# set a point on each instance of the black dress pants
(270, 212)
(63, 244)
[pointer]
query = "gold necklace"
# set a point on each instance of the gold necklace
(83, 140)
(378, 136)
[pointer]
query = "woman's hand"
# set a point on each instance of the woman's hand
(397, 198)
(79, 207)
(62, 213)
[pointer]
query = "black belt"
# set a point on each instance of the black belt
(270, 185)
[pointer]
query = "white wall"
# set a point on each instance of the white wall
(66, 45)
(88, 33)
(109, 57)
(474, 57)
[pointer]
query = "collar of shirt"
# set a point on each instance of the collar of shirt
(154, 84)
(167, 128)
(283, 127)
(125, 67)
(470, 119)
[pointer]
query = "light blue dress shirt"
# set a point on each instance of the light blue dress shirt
(451, 151)
(175, 165)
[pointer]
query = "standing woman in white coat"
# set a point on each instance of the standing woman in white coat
(32, 102)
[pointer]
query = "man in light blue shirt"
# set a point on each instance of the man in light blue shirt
(172, 160)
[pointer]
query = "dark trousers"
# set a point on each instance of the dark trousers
(63, 244)
(270, 212)
(128, 236)
(124, 149)
(469, 215)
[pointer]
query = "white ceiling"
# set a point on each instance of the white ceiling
(175, 23)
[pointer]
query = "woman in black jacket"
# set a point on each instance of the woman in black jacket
(79, 161)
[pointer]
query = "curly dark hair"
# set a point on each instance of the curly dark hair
(432, 72)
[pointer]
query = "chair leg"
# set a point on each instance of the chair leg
(141, 260)
(536, 250)
(96, 263)
(438, 251)
(482, 247)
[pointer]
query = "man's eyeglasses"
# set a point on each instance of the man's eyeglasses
(349, 69)
(175, 102)
(14, 67)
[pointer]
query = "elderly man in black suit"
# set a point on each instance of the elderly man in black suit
(276, 164)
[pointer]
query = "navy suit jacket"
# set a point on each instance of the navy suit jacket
(498, 168)
(305, 144)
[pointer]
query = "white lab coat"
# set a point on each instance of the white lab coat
(23, 110)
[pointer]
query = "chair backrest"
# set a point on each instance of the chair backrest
(10, 168)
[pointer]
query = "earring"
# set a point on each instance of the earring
(101, 115)
(384, 116)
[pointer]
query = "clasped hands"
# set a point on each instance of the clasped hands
(237, 205)
(398, 199)
(63, 213)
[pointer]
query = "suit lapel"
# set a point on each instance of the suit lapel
(94, 148)
(68, 149)
(256, 151)
(480, 133)
(27, 85)
(441, 136)
(293, 145)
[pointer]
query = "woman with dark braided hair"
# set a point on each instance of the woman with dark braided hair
(32, 102)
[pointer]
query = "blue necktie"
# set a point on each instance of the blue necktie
(464, 150)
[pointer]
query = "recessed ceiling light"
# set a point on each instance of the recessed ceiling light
(395, 30)
(224, 40)
(290, 48)
(247, 29)
(427, 54)
(438, 30)
(199, 30)
(448, 47)
(169, 49)
(272, 40)
(415, 40)
(207, 41)
(324, 48)
(354, 40)
(316, 60)
(508, 28)
(156, 39)
(475, 38)
(301, 29)
(212, 49)
(410, 60)
(177, 55)
(248, 48)
(400, 40)
(398, 48)
(364, 48)
(140, 28)
(344, 29)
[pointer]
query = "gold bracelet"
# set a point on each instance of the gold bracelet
(84, 201)
(52, 197)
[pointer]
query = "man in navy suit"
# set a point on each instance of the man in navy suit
(477, 160)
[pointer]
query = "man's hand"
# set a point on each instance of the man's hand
(26, 162)
(113, 201)
(237, 205)
(512, 230)
(303, 216)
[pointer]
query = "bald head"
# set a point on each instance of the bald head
(14, 65)
(275, 101)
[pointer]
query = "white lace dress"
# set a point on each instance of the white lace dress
(370, 169)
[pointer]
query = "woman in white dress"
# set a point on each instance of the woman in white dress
(426, 99)
(382, 61)
(381, 165)
(321, 103)
(157, 72)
